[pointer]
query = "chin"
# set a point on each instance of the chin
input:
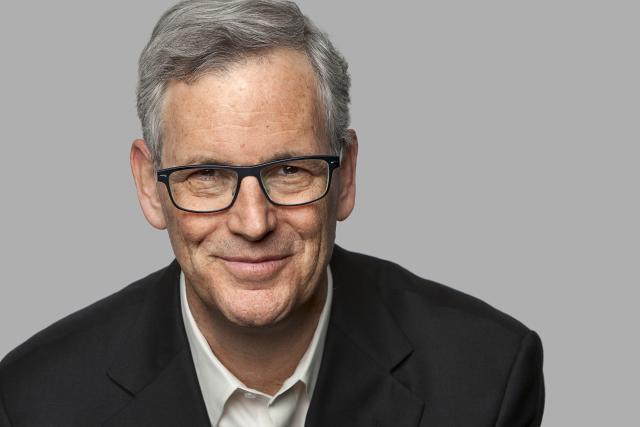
(257, 308)
(250, 319)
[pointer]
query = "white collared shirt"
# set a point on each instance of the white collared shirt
(230, 403)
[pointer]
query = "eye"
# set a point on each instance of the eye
(204, 175)
(289, 169)
(290, 172)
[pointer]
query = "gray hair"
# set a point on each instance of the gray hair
(199, 36)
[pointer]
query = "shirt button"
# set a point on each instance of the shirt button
(249, 395)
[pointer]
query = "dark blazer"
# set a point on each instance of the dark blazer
(401, 351)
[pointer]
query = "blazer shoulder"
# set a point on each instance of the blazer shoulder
(411, 298)
(91, 326)
(463, 353)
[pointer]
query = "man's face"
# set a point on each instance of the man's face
(255, 263)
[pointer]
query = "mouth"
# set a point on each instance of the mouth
(253, 269)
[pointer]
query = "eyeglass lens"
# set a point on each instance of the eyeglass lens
(288, 183)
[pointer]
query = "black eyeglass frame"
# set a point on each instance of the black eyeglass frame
(245, 171)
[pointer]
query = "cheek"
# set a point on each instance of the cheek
(194, 228)
(314, 225)
(308, 222)
(186, 232)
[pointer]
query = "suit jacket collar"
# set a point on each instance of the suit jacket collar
(364, 344)
(154, 363)
(355, 385)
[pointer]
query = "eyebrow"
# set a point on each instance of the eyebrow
(205, 160)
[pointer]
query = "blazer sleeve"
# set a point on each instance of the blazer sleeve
(523, 400)
(4, 418)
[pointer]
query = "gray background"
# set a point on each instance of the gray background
(498, 154)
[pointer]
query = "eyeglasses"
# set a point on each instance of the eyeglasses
(211, 188)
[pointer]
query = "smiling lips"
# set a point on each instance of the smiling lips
(255, 268)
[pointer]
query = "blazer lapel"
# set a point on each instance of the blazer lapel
(355, 384)
(155, 366)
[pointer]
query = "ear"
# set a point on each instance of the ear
(146, 184)
(347, 171)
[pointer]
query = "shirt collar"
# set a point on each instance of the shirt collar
(217, 383)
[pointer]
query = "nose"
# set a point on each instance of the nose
(252, 216)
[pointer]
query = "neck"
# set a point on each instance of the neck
(260, 357)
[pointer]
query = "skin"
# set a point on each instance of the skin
(255, 273)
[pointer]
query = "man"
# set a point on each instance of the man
(248, 163)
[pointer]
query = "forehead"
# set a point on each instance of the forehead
(257, 109)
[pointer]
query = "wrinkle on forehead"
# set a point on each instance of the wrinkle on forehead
(274, 94)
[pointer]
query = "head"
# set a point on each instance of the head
(242, 83)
